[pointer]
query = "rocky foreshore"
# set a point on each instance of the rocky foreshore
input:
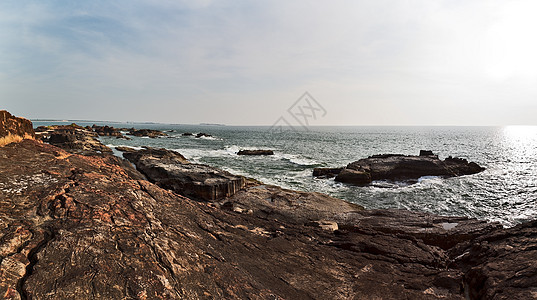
(92, 227)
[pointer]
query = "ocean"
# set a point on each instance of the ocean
(505, 192)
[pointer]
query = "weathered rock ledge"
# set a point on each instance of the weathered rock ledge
(171, 170)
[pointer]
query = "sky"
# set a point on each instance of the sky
(236, 62)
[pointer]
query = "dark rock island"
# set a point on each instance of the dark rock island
(255, 152)
(89, 226)
(399, 167)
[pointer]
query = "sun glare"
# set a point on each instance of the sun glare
(521, 140)
(508, 47)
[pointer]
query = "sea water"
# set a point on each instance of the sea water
(506, 191)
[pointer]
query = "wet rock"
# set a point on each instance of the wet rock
(406, 167)
(187, 134)
(326, 172)
(426, 153)
(255, 152)
(202, 134)
(171, 170)
(14, 129)
(352, 176)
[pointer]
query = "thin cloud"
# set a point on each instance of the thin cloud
(208, 61)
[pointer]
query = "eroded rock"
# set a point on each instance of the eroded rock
(14, 129)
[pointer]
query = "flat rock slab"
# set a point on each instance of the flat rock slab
(171, 170)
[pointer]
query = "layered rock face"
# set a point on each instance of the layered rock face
(171, 170)
(404, 167)
(81, 227)
(14, 129)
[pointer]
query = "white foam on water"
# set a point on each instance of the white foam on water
(195, 154)
(296, 159)
(211, 138)
(126, 146)
(429, 178)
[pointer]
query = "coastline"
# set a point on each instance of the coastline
(77, 214)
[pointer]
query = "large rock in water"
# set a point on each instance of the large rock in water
(171, 170)
(406, 167)
(146, 133)
(14, 129)
(255, 152)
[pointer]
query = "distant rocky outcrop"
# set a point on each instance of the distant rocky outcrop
(255, 152)
(73, 138)
(171, 170)
(404, 167)
(14, 129)
(109, 131)
(146, 132)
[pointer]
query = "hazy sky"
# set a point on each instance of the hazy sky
(246, 62)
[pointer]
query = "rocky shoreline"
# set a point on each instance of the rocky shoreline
(78, 222)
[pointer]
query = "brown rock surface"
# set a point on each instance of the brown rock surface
(501, 264)
(14, 129)
(83, 227)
